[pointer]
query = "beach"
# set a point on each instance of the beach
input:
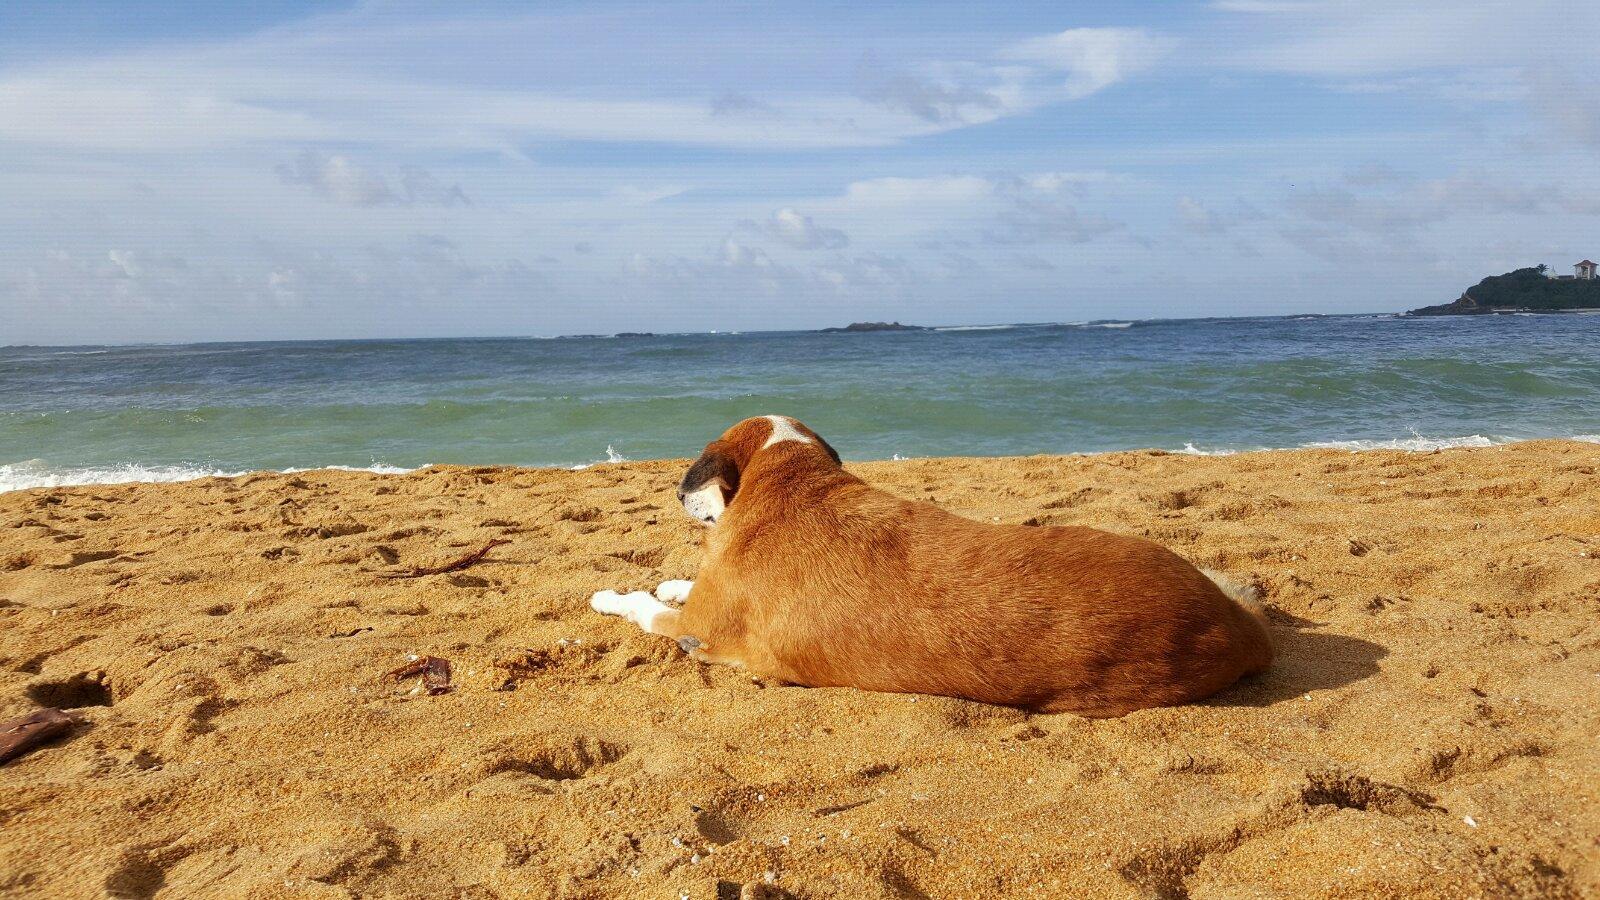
(1428, 730)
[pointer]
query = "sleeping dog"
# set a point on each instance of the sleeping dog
(813, 577)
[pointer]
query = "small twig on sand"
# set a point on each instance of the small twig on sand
(454, 565)
(434, 670)
(18, 736)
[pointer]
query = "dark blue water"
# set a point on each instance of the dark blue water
(89, 414)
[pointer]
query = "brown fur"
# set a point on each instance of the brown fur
(813, 577)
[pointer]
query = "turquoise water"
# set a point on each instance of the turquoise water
(70, 415)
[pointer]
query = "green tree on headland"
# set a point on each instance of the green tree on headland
(1530, 288)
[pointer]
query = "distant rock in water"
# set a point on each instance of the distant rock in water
(635, 334)
(1525, 290)
(874, 326)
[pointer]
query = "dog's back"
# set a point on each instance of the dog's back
(853, 587)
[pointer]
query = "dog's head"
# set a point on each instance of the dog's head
(713, 481)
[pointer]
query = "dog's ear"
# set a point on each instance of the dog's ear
(826, 447)
(832, 453)
(716, 464)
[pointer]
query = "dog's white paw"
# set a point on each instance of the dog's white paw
(675, 591)
(637, 607)
(610, 603)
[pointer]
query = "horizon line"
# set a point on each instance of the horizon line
(698, 333)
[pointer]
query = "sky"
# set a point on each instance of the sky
(195, 171)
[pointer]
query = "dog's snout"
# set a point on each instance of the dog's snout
(704, 503)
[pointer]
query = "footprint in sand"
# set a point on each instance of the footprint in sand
(72, 691)
(139, 875)
(554, 759)
(79, 557)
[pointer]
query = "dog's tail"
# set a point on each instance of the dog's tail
(1249, 600)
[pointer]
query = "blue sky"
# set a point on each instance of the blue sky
(198, 171)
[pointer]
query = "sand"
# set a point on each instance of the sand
(1432, 728)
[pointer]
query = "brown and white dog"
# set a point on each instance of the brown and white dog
(815, 578)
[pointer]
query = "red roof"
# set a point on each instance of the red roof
(1587, 263)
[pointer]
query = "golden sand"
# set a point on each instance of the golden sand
(1432, 727)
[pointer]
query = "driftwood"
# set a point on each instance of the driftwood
(435, 672)
(454, 565)
(18, 736)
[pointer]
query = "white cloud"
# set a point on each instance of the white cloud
(1043, 208)
(633, 195)
(338, 178)
(1502, 84)
(1021, 77)
(177, 104)
(870, 271)
(1399, 205)
(1023, 208)
(733, 103)
(938, 100)
(287, 88)
(1035, 222)
(897, 193)
(1092, 59)
(737, 272)
(1571, 104)
(1528, 61)
(1267, 6)
(1460, 226)
(126, 262)
(1198, 218)
(417, 185)
(417, 286)
(1358, 251)
(104, 108)
(1353, 38)
(799, 231)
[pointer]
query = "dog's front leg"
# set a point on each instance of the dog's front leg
(639, 608)
(649, 613)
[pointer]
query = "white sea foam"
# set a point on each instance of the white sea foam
(978, 327)
(612, 456)
(1416, 443)
(376, 468)
(1190, 449)
(1109, 325)
(35, 473)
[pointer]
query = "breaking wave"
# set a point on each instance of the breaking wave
(36, 473)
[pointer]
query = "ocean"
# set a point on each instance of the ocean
(159, 413)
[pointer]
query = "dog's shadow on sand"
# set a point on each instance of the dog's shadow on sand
(1307, 660)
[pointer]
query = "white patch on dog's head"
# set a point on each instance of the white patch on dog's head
(705, 503)
(783, 430)
(712, 482)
